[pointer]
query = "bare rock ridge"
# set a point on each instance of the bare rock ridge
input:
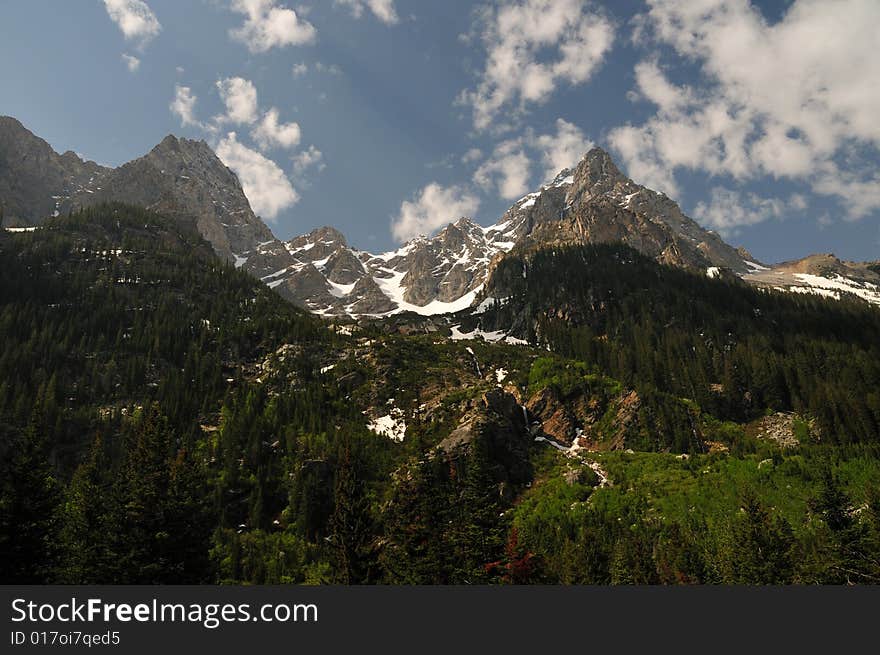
(179, 177)
(592, 203)
(34, 179)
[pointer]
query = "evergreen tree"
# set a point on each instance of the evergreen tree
(762, 545)
(350, 525)
(29, 499)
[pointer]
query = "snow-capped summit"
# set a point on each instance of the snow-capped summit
(594, 202)
(591, 203)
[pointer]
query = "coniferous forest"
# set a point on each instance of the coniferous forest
(166, 418)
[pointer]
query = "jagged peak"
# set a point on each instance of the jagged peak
(174, 144)
(170, 141)
(598, 166)
(322, 234)
(13, 123)
(463, 224)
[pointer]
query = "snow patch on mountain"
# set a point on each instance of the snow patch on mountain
(392, 425)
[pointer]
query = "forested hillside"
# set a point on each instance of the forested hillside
(166, 418)
(736, 350)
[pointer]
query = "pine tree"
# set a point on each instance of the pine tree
(762, 545)
(478, 537)
(846, 559)
(29, 500)
(84, 517)
(350, 525)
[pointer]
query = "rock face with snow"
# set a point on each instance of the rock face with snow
(319, 271)
(185, 179)
(34, 179)
(822, 275)
(593, 203)
(596, 203)
(179, 177)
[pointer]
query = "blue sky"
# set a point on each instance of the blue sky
(387, 118)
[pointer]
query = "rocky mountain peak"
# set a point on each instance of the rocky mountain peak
(34, 179)
(597, 175)
(594, 202)
(179, 177)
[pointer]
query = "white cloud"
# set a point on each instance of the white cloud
(561, 150)
(264, 183)
(728, 210)
(636, 149)
(471, 156)
(300, 69)
(653, 86)
(270, 133)
(518, 37)
(135, 19)
(331, 69)
(433, 207)
(184, 105)
(509, 168)
(131, 62)
(382, 9)
(268, 25)
(306, 159)
(790, 99)
(240, 97)
(859, 195)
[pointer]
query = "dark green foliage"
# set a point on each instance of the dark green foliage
(735, 350)
(761, 545)
(29, 500)
(350, 529)
(165, 418)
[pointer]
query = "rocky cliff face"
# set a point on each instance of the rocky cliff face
(34, 179)
(592, 203)
(596, 203)
(823, 275)
(179, 177)
(184, 178)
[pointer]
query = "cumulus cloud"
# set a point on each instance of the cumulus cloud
(727, 210)
(331, 69)
(433, 207)
(135, 19)
(471, 156)
(264, 183)
(860, 195)
(268, 25)
(184, 105)
(240, 97)
(561, 150)
(509, 168)
(533, 46)
(299, 69)
(306, 159)
(270, 133)
(131, 62)
(789, 99)
(382, 9)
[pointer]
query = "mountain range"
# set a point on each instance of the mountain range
(593, 203)
(616, 397)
